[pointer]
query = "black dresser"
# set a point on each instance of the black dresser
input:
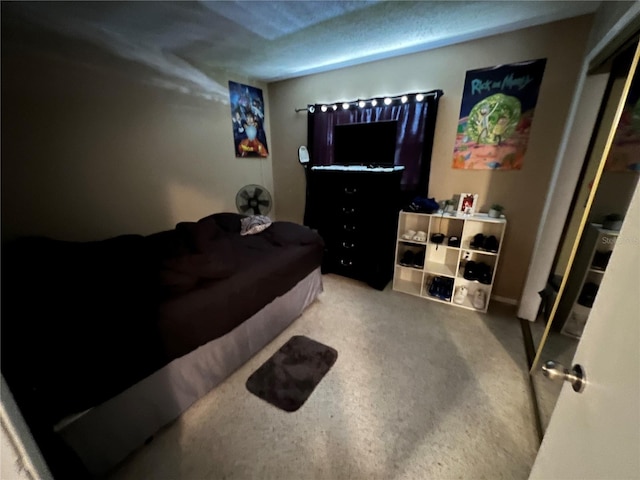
(355, 210)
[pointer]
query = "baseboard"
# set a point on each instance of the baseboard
(510, 301)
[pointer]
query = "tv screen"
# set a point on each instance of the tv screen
(365, 143)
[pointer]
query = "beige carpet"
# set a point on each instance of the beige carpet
(420, 390)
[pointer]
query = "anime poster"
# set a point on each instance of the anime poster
(496, 116)
(624, 155)
(247, 118)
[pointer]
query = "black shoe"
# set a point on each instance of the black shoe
(407, 259)
(478, 241)
(447, 288)
(453, 241)
(601, 260)
(484, 273)
(434, 287)
(491, 244)
(418, 260)
(471, 270)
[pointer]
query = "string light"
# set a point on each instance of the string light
(418, 97)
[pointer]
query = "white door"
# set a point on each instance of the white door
(596, 433)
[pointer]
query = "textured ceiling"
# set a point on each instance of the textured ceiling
(189, 44)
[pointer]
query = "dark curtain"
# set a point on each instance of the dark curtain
(416, 126)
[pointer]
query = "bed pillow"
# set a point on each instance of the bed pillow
(254, 224)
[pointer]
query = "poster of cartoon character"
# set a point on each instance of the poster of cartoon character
(624, 155)
(496, 116)
(247, 119)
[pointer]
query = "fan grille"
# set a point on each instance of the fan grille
(253, 200)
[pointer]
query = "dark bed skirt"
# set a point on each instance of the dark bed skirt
(103, 436)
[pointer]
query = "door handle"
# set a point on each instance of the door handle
(558, 372)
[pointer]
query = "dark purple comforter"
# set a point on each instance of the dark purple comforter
(83, 321)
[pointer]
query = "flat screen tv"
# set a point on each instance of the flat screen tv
(365, 143)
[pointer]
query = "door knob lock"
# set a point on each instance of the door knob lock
(558, 372)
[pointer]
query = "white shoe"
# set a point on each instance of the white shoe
(461, 294)
(420, 236)
(479, 299)
(409, 234)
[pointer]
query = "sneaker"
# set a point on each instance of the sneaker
(479, 299)
(447, 288)
(461, 294)
(484, 273)
(420, 236)
(478, 241)
(471, 270)
(407, 259)
(409, 234)
(418, 260)
(453, 241)
(491, 244)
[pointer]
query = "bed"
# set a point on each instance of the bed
(136, 347)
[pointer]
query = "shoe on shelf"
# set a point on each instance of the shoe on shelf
(479, 299)
(601, 260)
(471, 270)
(484, 273)
(491, 244)
(453, 241)
(441, 287)
(407, 259)
(418, 260)
(461, 294)
(408, 235)
(447, 288)
(478, 241)
(420, 236)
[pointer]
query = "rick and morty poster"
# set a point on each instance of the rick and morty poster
(496, 116)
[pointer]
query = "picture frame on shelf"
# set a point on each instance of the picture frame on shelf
(467, 204)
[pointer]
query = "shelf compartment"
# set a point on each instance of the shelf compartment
(407, 280)
(412, 221)
(472, 288)
(436, 268)
(449, 226)
(473, 227)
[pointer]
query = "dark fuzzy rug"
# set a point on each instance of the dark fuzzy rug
(287, 379)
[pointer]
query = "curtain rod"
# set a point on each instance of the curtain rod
(433, 93)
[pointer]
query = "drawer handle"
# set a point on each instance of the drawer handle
(350, 191)
(348, 245)
(348, 210)
(345, 263)
(349, 228)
